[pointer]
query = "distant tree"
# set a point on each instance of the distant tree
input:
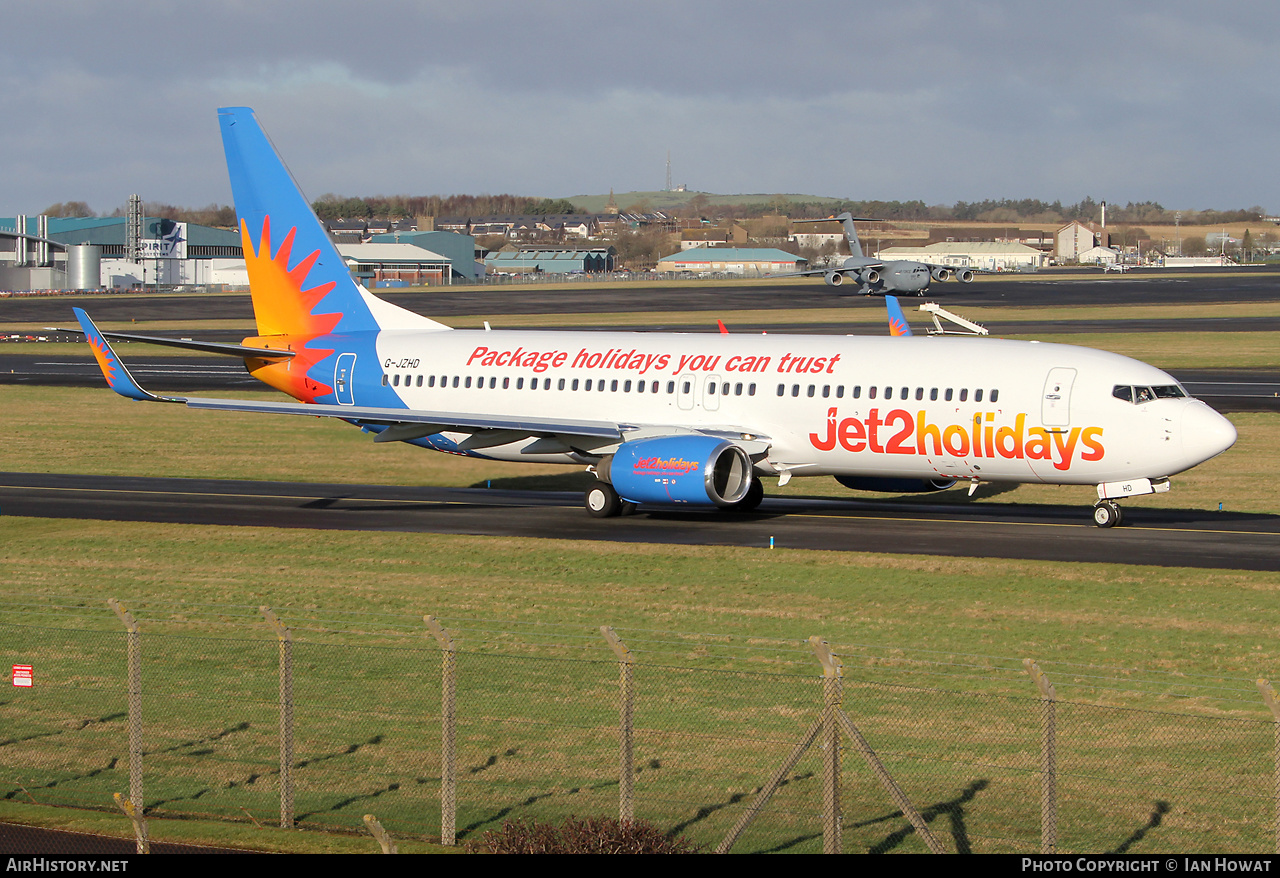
(70, 208)
(549, 207)
(1194, 245)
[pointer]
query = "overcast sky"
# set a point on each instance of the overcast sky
(1168, 101)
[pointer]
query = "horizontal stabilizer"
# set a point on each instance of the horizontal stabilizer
(209, 347)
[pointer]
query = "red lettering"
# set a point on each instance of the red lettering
(830, 442)
(895, 445)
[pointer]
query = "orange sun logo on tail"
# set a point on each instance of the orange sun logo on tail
(283, 308)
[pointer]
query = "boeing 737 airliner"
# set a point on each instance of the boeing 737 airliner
(688, 420)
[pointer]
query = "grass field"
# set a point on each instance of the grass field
(1165, 742)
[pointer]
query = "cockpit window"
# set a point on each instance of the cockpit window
(1141, 395)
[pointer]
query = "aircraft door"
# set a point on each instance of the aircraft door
(686, 391)
(1055, 409)
(342, 372)
(711, 393)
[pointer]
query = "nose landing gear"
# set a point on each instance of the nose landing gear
(1107, 514)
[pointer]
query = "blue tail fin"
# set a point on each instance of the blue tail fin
(299, 283)
(897, 320)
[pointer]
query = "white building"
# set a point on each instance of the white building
(986, 255)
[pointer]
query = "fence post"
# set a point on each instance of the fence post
(139, 823)
(832, 697)
(286, 716)
(626, 727)
(1048, 758)
(1269, 696)
(448, 732)
(134, 661)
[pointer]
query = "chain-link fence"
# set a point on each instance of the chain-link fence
(445, 728)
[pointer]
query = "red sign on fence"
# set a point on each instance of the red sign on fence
(22, 675)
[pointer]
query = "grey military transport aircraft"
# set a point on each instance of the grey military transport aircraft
(878, 277)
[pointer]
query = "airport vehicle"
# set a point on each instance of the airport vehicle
(878, 277)
(681, 420)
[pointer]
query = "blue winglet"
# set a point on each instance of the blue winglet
(118, 377)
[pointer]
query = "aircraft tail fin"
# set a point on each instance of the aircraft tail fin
(850, 234)
(897, 320)
(299, 283)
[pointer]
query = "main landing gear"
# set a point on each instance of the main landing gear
(602, 501)
(1108, 514)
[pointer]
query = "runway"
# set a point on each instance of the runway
(1161, 537)
(1057, 533)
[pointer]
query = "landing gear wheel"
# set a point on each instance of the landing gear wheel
(602, 501)
(754, 495)
(1107, 514)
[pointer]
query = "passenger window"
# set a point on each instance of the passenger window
(977, 395)
(588, 385)
(811, 389)
(468, 382)
(964, 394)
(639, 387)
(431, 381)
(826, 390)
(711, 388)
(724, 391)
(575, 384)
(782, 389)
(506, 383)
(857, 392)
(654, 388)
(933, 394)
(418, 383)
(871, 392)
(395, 380)
(626, 387)
(751, 390)
(995, 395)
(919, 393)
(947, 395)
(519, 384)
(455, 381)
(839, 391)
(560, 384)
(613, 385)
(546, 384)
(384, 380)
(795, 389)
(493, 382)
(737, 389)
(906, 393)
(671, 387)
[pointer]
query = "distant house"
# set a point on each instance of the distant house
(1073, 239)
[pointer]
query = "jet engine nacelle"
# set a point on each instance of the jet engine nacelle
(834, 278)
(869, 276)
(689, 470)
(940, 274)
(894, 486)
(965, 275)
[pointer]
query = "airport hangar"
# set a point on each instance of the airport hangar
(87, 253)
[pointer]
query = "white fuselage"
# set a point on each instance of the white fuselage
(966, 408)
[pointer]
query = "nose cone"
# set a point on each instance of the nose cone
(1205, 433)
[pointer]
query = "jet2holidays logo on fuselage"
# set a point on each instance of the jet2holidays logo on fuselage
(899, 432)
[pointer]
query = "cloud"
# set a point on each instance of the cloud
(937, 101)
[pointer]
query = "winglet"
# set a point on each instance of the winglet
(118, 377)
(897, 320)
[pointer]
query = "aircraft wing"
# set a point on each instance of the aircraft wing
(397, 424)
(814, 272)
